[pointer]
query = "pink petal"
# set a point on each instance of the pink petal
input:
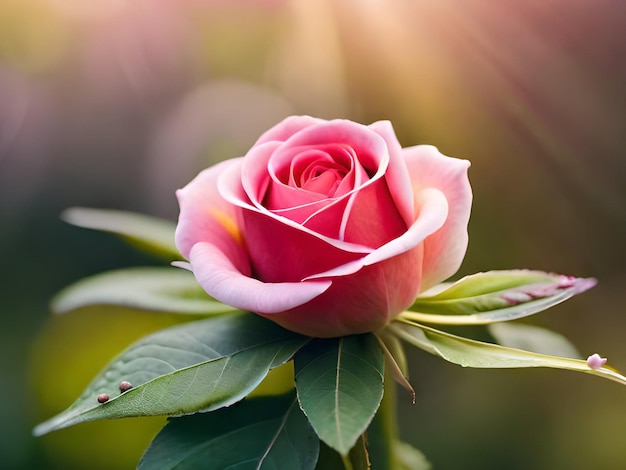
(445, 249)
(397, 175)
(434, 210)
(373, 219)
(433, 213)
(288, 127)
(281, 252)
(222, 280)
(295, 166)
(205, 215)
(253, 174)
(230, 189)
(370, 148)
(327, 220)
(361, 303)
(287, 169)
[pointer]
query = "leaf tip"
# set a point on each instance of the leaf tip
(44, 428)
(580, 284)
(71, 215)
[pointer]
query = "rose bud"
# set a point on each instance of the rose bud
(327, 228)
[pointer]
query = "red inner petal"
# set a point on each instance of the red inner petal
(320, 169)
(322, 180)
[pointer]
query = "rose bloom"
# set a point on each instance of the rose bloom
(327, 228)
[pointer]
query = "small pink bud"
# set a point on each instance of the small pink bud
(103, 398)
(595, 361)
(125, 386)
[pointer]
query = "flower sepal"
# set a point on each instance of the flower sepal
(494, 296)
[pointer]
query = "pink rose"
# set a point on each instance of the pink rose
(327, 228)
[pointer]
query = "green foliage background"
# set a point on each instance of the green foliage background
(118, 106)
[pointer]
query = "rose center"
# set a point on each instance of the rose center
(320, 171)
(321, 179)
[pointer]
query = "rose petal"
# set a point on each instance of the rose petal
(219, 277)
(364, 302)
(433, 214)
(302, 203)
(373, 219)
(371, 154)
(370, 147)
(288, 127)
(284, 253)
(434, 210)
(397, 175)
(253, 173)
(445, 249)
(296, 167)
(229, 186)
(206, 216)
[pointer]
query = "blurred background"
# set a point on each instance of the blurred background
(115, 104)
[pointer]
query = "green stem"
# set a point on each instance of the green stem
(347, 463)
(383, 432)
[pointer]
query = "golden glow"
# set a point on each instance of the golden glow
(33, 36)
(228, 223)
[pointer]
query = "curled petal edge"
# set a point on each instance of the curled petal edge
(222, 281)
(228, 188)
(433, 215)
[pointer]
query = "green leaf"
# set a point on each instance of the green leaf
(487, 282)
(340, 385)
(261, 433)
(149, 233)
(533, 338)
(409, 458)
(163, 289)
(196, 366)
(495, 296)
(470, 353)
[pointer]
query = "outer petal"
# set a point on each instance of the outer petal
(432, 216)
(363, 302)
(220, 278)
(206, 216)
(209, 234)
(287, 127)
(443, 250)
